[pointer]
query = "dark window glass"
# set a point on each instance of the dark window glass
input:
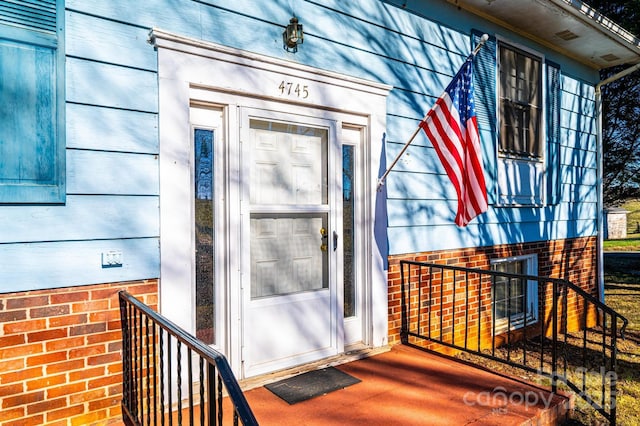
(509, 293)
(520, 103)
(204, 235)
(348, 225)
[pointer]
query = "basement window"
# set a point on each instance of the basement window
(514, 299)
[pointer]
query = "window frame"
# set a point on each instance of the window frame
(530, 312)
(51, 190)
(541, 179)
(522, 178)
(518, 104)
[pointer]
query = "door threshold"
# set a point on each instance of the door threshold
(352, 353)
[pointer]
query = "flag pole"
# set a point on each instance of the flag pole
(404, 148)
(481, 43)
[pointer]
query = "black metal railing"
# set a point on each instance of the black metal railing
(170, 377)
(542, 325)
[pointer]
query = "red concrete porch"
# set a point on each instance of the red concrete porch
(407, 386)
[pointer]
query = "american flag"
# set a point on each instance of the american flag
(452, 127)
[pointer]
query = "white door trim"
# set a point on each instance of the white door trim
(191, 70)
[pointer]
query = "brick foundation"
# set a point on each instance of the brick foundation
(574, 260)
(60, 349)
(60, 354)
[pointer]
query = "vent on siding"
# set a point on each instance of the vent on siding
(38, 15)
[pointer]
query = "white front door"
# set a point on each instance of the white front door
(290, 234)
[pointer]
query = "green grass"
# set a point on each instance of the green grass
(632, 243)
(633, 218)
(622, 293)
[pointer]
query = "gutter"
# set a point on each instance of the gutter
(600, 153)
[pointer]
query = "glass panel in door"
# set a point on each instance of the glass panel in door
(348, 224)
(351, 248)
(289, 164)
(204, 234)
(289, 169)
(287, 256)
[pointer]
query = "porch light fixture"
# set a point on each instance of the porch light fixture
(292, 35)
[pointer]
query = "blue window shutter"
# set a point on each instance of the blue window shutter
(485, 75)
(38, 15)
(553, 132)
(32, 145)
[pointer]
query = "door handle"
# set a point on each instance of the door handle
(335, 240)
(323, 233)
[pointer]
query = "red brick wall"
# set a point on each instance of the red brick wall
(573, 259)
(60, 354)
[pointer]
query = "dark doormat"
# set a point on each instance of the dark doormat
(309, 385)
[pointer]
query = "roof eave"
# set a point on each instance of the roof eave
(593, 39)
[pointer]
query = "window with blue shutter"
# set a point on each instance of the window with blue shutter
(32, 145)
(509, 89)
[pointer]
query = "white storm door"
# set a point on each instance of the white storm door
(289, 287)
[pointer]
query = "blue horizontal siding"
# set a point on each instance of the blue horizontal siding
(415, 104)
(578, 175)
(576, 121)
(417, 158)
(414, 239)
(439, 212)
(570, 156)
(179, 16)
(574, 102)
(31, 266)
(112, 127)
(112, 165)
(109, 129)
(579, 193)
(96, 83)
(102, 40)
(579, 140)
(84, 217)
(120, 173)
(266, 22)
(578, 87)
(419, 186)
(337, 17)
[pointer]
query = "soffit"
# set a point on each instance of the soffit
(568, 26)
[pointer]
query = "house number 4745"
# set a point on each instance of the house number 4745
(294, 89)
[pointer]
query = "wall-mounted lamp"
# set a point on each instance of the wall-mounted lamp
(292, 36)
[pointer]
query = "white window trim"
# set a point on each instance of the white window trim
(517, 321)
(210, 117)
